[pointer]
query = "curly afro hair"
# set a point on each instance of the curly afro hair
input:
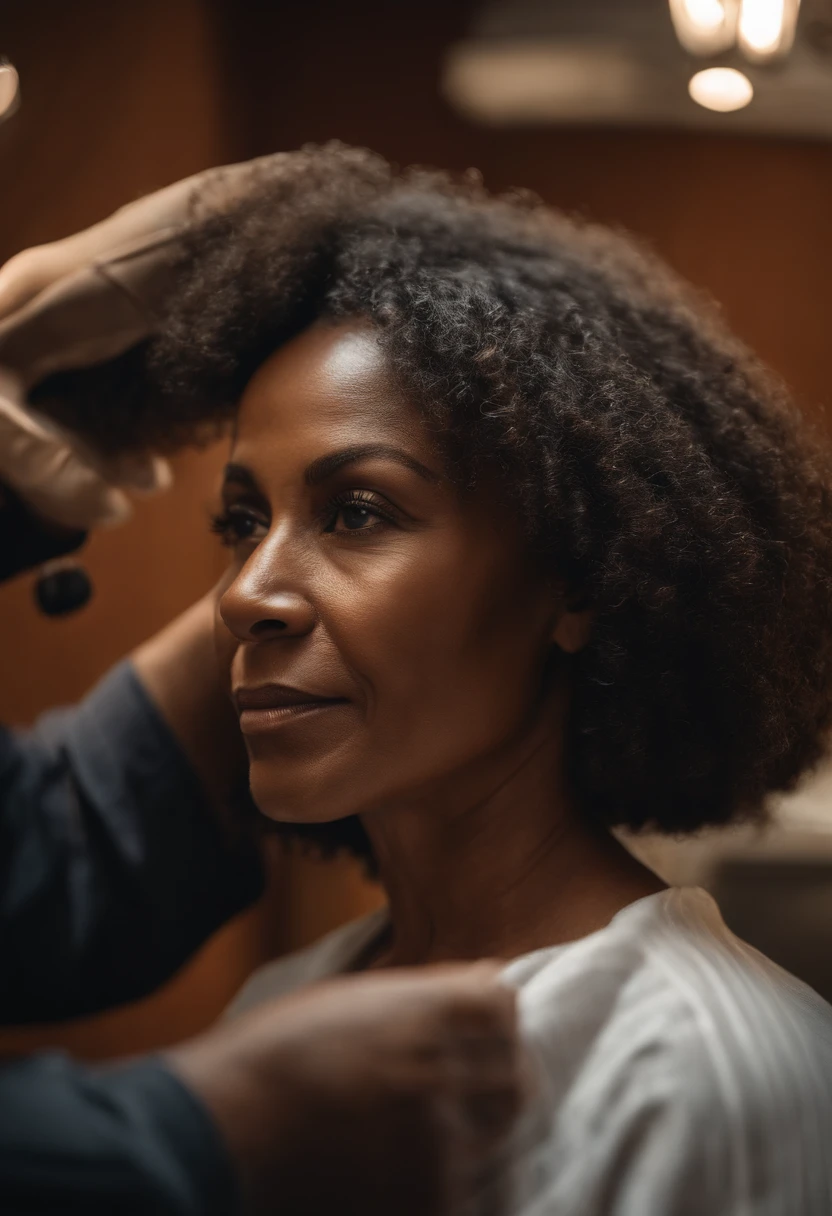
(657, 465)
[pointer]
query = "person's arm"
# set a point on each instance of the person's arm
(178, 670)
(132, 1140)
(115, 864)
(371, 1094)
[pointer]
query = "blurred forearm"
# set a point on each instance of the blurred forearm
(114, 863)
(178, 669)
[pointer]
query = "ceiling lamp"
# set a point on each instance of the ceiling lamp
(762, 29)
(621, 63)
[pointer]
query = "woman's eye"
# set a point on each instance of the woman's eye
(236, 525)
(356, 514)
(354, 517)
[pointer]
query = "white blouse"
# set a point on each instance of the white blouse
(678, 1071)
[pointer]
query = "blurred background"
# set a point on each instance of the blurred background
(701, 125)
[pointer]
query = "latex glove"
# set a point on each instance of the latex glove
(82, 301)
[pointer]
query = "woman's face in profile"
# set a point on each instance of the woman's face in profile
(386, 636)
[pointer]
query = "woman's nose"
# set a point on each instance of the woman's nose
(258, 605)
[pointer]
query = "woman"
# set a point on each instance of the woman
(524, 547)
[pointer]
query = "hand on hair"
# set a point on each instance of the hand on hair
(83, 301)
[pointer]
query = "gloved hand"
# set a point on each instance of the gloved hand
(85, 300)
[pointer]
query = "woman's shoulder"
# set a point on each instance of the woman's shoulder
(666, 991)
(665, 1039)
(329, 956)
(668, 967)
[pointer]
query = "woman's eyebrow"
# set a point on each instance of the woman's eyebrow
(319, 470)
(241, 476)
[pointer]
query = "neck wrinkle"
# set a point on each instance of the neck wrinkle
(499, 865)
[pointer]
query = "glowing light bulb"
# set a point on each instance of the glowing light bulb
(708, 14)
(705, 27)
(721, 89)
(761, 23)
(766, 28)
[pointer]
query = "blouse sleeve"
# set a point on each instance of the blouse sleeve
(113, 867)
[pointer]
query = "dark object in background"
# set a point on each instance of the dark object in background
(26, 540)
(62, 587)
(783, 907)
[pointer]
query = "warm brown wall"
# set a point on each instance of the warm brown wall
(161, 88)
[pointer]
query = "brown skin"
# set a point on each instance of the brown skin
(365, 1096)
(377, 583)
(371, 1096)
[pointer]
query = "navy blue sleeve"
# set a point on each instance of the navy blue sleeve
(113, 868)
(131, 1141)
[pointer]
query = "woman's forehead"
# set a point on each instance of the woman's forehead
(329, 377)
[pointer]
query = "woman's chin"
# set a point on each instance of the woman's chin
(294, 802)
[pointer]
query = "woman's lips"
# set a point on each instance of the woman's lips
(270, 706)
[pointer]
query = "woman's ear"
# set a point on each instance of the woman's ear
(573, 629)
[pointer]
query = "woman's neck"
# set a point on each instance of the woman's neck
(497, 863)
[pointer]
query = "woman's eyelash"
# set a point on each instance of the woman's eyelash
(237, 523)
(360, 499)
(230, 525)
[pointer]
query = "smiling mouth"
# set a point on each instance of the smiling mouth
(270, 706)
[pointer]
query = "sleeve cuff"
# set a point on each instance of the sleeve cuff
(183, 1144)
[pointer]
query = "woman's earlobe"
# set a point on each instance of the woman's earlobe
(572, 631)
